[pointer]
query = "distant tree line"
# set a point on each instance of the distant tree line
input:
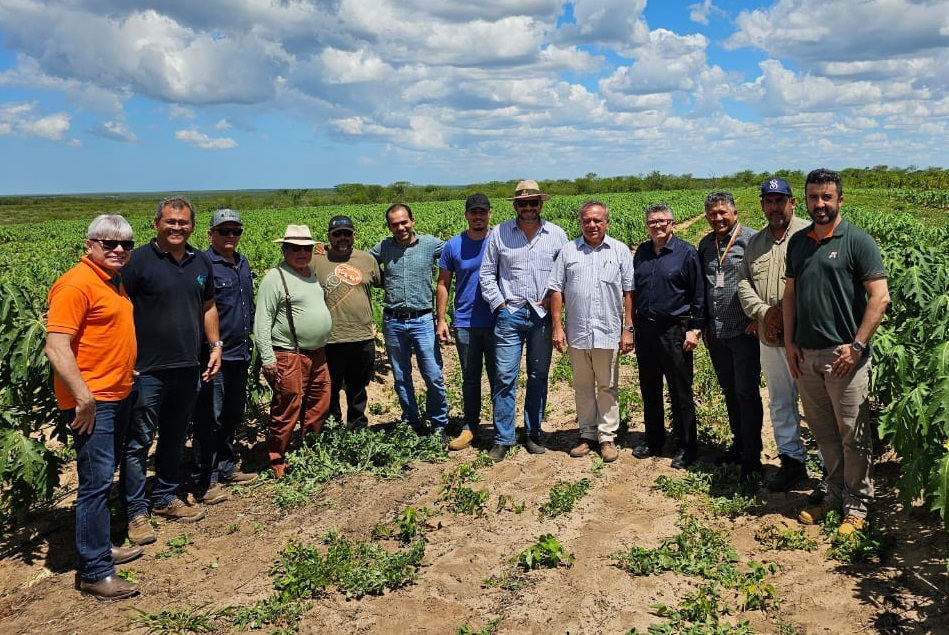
(15, 209)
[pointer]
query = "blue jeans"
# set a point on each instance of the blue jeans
(511, 332)
(475, 349)
(163, 403)
(737, 364)
(220, 409)
(97, 455)
(403, 337)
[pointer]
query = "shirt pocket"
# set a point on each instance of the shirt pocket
(226, 291)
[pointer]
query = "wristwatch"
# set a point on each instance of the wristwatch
(217, 344)
(860, 348)
(630, 328)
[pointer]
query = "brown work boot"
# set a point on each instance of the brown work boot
(608, 452)
(213, 495)
(140, 530)
(582, 449)
(462, 441)
(239, 477)
(109, 589)
(851, 525)
(121, 555)
(178, 510)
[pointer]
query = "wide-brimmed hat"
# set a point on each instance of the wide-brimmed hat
(528, 189)
(297, 235)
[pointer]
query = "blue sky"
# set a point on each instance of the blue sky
(177, 95)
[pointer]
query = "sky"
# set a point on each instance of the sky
(184, 95)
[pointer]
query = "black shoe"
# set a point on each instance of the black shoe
(533, 446)
(681, 460)
(731, 457)
(643, 451)
(817, 496)
(790, 472)
(498, 452)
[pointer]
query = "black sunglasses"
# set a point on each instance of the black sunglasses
(229, 231)
(533, 202)
(298, 247)
(109, 245)
(342, 232)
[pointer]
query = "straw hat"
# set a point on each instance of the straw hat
(528, 189)
(297, 235)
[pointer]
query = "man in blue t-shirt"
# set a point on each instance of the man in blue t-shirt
(473, 320)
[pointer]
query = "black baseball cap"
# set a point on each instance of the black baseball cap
(477, 201)
(340, 222)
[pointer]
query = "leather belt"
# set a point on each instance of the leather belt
(405, 315)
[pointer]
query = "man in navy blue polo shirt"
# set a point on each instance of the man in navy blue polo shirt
(670, 310)
(171, 285)
(222, 400)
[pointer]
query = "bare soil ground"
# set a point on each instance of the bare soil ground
(235, 545)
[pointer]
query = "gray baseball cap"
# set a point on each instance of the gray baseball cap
(225, 216)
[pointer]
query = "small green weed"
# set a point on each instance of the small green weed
(490, 628)
(270, 612)
(232, 529)
(772, 538)
(867, 546)
(757, 592)
(697, 614)
(356, 569)
(128, 575)
(690, 483)
(509, 581)
(507, 503)
(192, 619)
(460, 498)
(597, 466)
(408, 525)
(563, 496)
(732, 507)
(546, 553)
(177, 546)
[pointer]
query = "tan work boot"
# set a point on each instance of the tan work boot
(582, 449)
(608, 452)
(465, 438)
(177, 510)
(140, 530)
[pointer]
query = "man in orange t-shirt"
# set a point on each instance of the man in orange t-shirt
(91, 346)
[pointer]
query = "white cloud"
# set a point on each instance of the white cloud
(114, 130)
(203, 141)
(21, 120)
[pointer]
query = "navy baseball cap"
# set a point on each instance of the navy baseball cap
(340, 222)
(477, 201)
(774, 185)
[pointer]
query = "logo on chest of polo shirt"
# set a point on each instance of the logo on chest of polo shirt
(832, 255)
(201, 279)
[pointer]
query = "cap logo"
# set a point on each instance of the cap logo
(773, 184)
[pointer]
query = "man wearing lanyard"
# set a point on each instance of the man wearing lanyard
(730, 334)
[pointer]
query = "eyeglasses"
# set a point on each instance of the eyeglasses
(341, 233)
(530, 202)
(229, 231)
(296, 248)
(659, 222)
(110, 245)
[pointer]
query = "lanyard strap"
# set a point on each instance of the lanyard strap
(728, 247)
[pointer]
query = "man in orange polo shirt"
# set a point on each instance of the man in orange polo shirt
(91, 347)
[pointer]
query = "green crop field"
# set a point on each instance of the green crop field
(911, 351)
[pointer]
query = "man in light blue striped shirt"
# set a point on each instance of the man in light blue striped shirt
(518, 258)
(593, 276)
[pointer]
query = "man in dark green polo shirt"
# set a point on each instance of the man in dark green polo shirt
(834, 299)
